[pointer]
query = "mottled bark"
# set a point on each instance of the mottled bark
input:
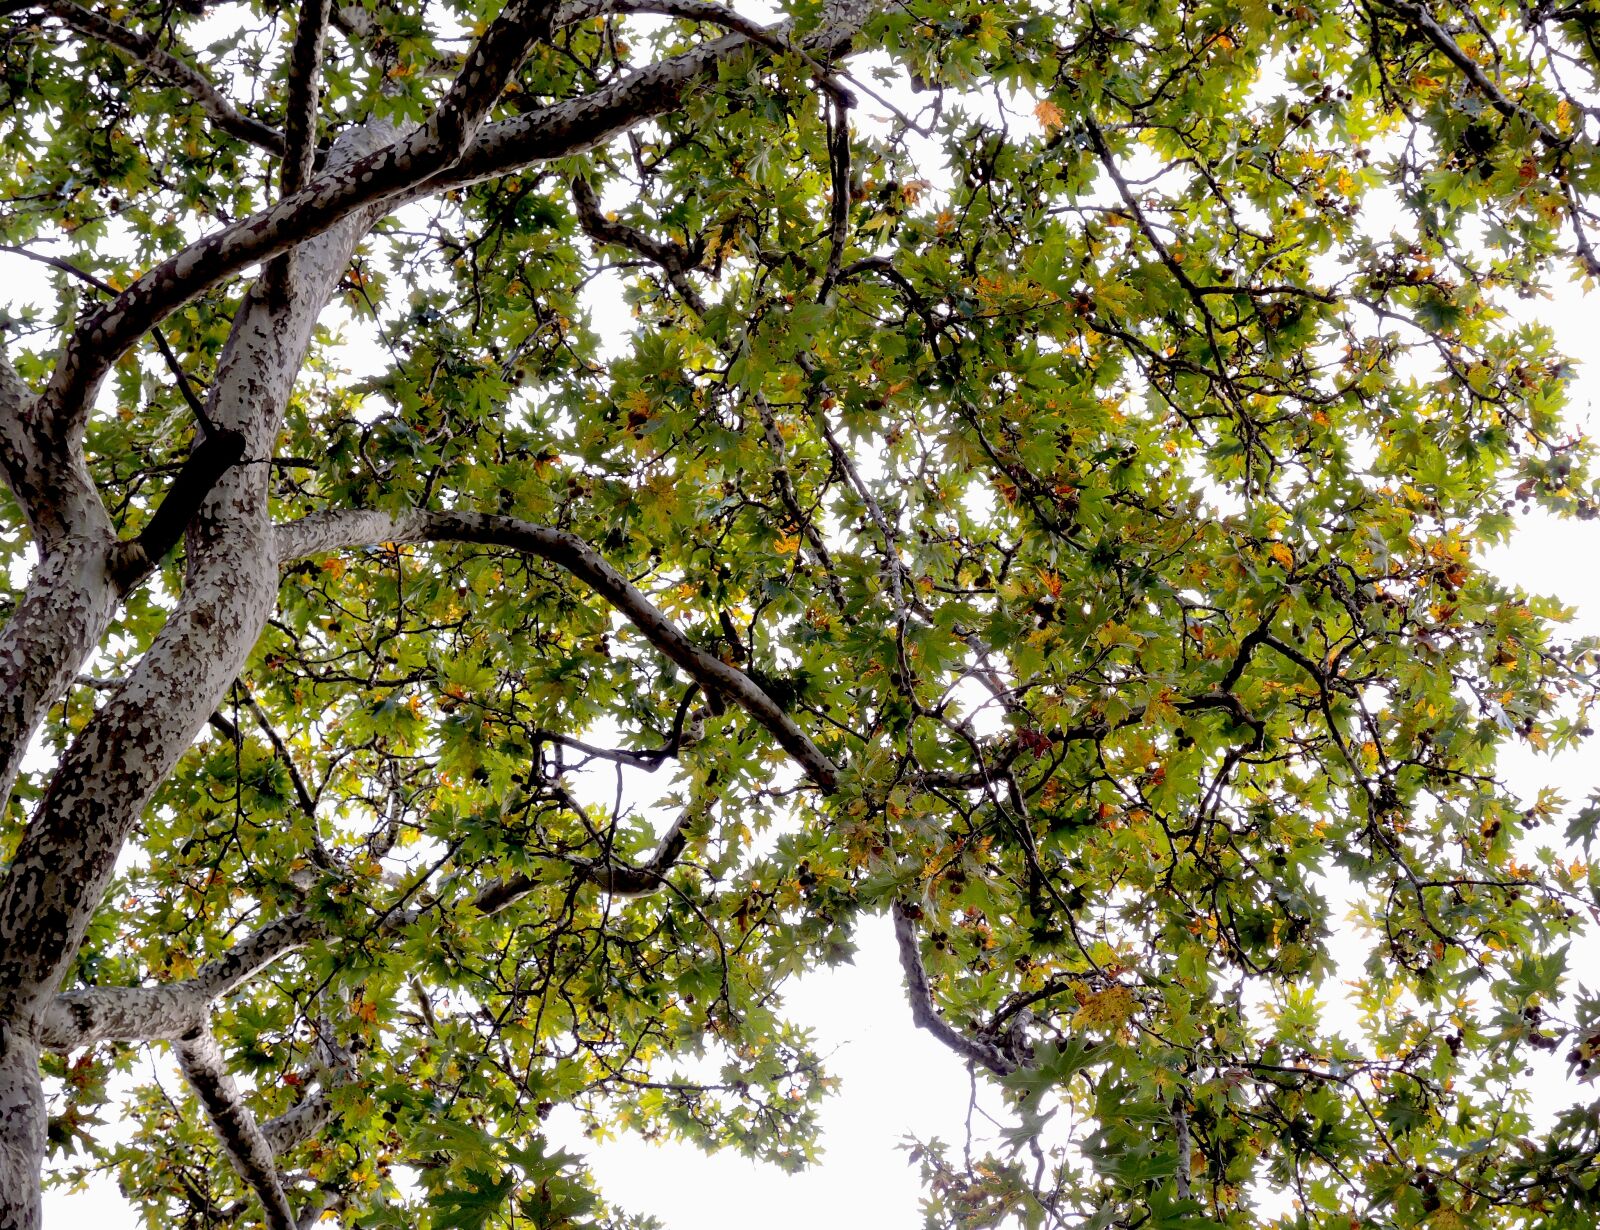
(65, 609)
(207, 1073)
(22, 1131)
(146, 1014)
(299, 1123)
(106, 777)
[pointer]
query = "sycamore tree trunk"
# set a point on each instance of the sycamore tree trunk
(70, 848)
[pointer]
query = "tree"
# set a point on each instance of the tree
(1041, 496)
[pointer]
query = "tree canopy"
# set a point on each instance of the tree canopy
(1035, 485)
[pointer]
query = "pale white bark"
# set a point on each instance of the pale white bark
(22, 1131)
(242, 1140)
(103, 782)
(146, 1014)
(70, 597)
(64, 611)
(299, 1123)
(106, 777)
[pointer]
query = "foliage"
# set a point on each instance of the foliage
(1085, 421)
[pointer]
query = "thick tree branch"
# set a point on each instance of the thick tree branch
(299, 1123)
(976, 1050)
(686, 10)
(242, 1140)
(340, 530)
(305, 85)
(447, 151)
(105, 777)
(144, 1014)
(424, 152)
(172, 70)
(215, 454)
(579, 124)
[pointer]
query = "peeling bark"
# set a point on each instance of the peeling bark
(104, 780)
(146, 1014)
(22, 1131)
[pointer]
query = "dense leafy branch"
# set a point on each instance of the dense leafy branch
(1042, 503)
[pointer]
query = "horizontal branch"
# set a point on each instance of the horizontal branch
(339, 530)
(674, 258)
(144, 1014)
(608, 874)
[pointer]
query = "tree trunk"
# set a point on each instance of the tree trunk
(105, 779)
(22, 1131)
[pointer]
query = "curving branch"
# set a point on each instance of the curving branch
(163, 64)
(299, 1123)
(686, 10)
(453, 147)
(579, 124)
(412, 159)
(610, 875)
(68, 850)
(342, 529)
(144, 1014)
(242, 1140)
(675, 259)
(975, 1050)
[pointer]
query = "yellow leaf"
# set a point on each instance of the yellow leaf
(1119, 634)
(1108, 1010)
